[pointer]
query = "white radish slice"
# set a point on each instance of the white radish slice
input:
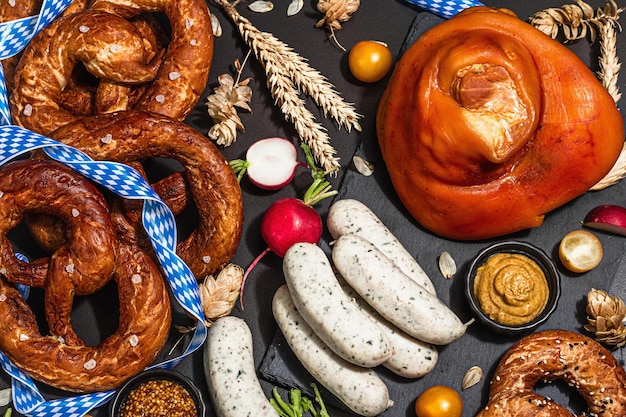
(272, 162)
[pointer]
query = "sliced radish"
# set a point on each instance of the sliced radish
(608, 218)
(272, 162)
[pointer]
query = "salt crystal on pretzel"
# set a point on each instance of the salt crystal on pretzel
(132, 68)
(98, 252)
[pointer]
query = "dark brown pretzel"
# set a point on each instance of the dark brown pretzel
(83, 97)
(133, 136)
(556, 354)
(184, 73)
(96, 250)
(89, 251)
(120, 57)
(10, 11)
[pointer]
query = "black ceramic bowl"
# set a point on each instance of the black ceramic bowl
(534, 253)
(156, 374)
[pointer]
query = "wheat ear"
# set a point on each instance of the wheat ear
(287, 74)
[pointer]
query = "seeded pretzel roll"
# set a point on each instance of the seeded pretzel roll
(550, 355)
(131, 71)
(94, 253)
(134, 136)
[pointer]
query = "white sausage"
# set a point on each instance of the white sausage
(394, 295)
(360, 389)
(351, 216)
(230, 372)
(412, 358)
(335, 318)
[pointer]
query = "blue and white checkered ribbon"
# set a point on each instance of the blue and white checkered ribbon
(16, 34)
(160, 226)
(445, 8)
(157, 219)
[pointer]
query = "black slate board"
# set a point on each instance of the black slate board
(479, 346)
(388, 21)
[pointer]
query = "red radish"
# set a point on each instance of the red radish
(290, 220)
(270, 163)
(608, 218)
(286, 222)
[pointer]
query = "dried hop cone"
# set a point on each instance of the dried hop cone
(222, 107)
(336, 12)
(219, 294)
(605, 316)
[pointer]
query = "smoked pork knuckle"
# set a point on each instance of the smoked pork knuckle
(487, 124)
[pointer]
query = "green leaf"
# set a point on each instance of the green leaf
(240, 166)
(318, 397)
(281, 406)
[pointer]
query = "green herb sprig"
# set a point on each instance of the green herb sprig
(298, 405)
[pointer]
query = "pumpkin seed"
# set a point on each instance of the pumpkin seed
(217, 27)
(261, 6)
(294, 7)
(447, 266)
(361, 165)
(472, 377)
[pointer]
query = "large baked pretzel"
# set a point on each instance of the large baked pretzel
(10, 11)
(132, 136)
(82, 265)
(556, 354)
(119, 56)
